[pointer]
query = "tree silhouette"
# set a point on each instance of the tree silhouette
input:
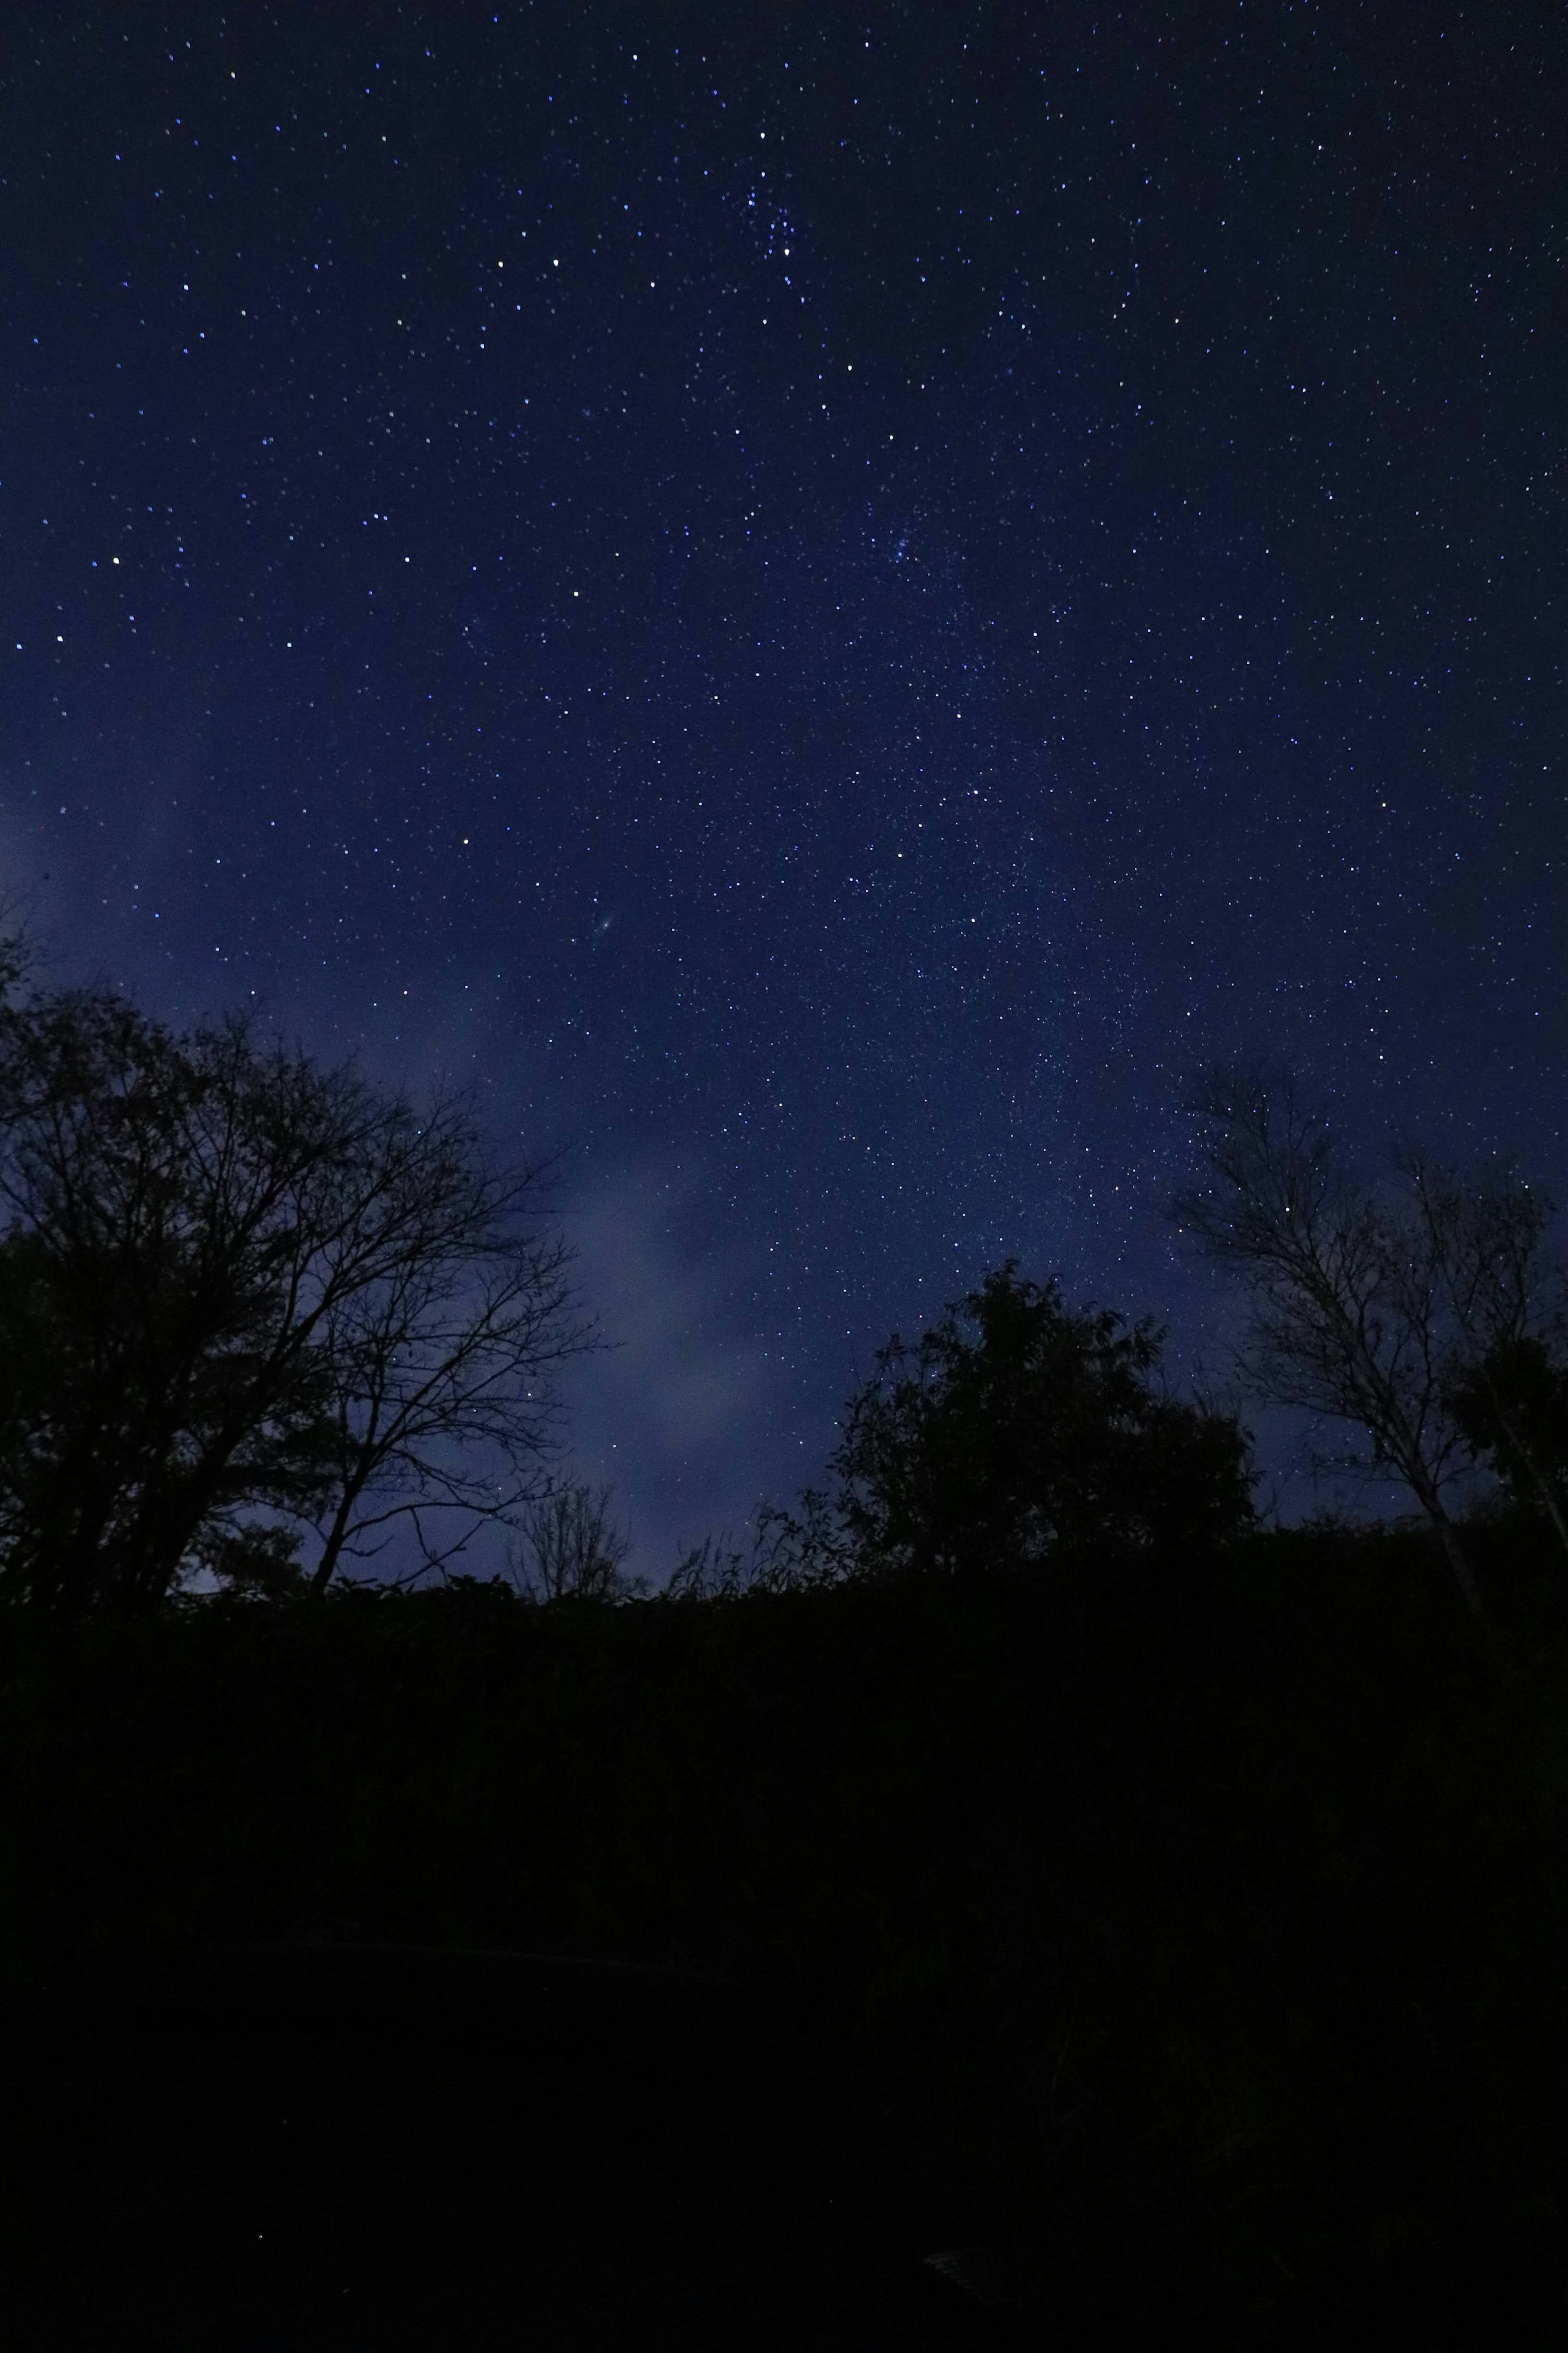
(1015, 1425)
(446, 1317)
(1511, 1409)
(1508, 1391)
(1373, 1308)
(570, 1549)
(242, 1296)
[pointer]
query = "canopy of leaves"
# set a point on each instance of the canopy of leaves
(1511, 1407)
(1015, 1425)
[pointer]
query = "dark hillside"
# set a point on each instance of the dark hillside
(1216, 1908)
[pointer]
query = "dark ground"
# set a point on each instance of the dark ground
(1194, 1933)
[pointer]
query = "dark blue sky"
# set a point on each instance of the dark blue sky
(824, 605)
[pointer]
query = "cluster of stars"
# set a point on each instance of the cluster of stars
(848, 616)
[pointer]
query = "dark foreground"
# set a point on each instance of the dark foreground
(1193, 1935)
(363, 2147)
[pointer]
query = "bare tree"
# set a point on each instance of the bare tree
(444, 1316)
(571, 1548)
(1355, 1296)
(237, 1292)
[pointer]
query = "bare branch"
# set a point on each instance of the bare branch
(254, 1284)
(1364, 1304)
(570, 1549)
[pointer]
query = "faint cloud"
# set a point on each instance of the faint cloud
(684, 1415)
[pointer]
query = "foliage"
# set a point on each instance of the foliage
(790, 1551)
(239, 1292)
(1014, 1426)
(1510, 1407)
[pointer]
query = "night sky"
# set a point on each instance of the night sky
(824, 605)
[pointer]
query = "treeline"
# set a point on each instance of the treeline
(264, 1324)
(1207, 1880)
(261, 1320)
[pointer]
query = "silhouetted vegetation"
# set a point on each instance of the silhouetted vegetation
(1017, 1425)
(1208, 1883)
(1380, 1307)
(570, 1549)
(1510, 1407)
(245, 1300)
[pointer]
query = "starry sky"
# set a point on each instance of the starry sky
(821, 604)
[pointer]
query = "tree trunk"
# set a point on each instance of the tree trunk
(354, 1484)
(1458, 1561)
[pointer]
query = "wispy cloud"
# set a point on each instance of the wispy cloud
(687, 1415)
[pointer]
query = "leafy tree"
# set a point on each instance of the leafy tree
(1511, 1409)
(242, 1297)
(1376, 1308)
(1508, 1390)
(142, 1401)
(1015, 1425)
